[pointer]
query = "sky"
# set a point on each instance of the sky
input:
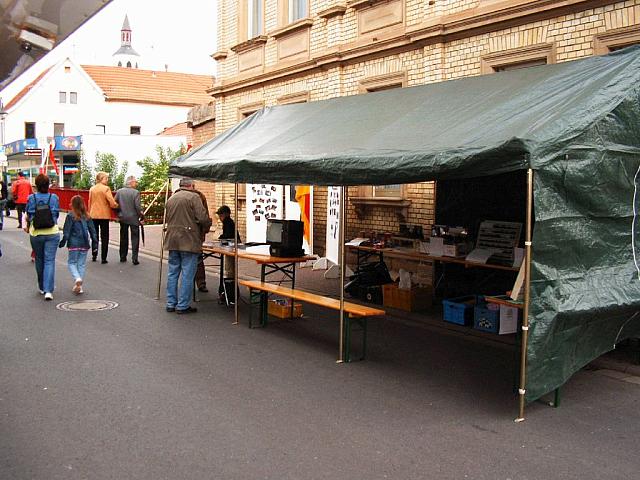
(180, 34)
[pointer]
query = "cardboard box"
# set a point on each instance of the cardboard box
(282, 309)
(414, 300)
(456, 250)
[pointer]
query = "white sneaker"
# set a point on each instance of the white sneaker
(78, 286)
(48, 296)
(41, 292)
(81, 291)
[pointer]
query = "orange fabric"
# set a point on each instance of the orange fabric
(303, 197)
(101, 202)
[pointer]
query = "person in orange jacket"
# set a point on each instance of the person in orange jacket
(101, 202)
(21, 189)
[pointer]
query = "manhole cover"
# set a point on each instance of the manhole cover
(87, 306)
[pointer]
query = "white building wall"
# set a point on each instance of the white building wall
(42, 106)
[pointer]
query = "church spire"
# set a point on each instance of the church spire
(126, 55)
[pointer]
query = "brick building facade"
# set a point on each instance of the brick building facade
(289, 51)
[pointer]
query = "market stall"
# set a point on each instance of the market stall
(573, 129)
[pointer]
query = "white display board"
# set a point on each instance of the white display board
(333, 225)
(293, 212)
(264, 202)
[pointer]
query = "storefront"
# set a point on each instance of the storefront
(58, 156)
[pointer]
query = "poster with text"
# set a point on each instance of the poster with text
(298, 205)
(333, 224)
(264, 202)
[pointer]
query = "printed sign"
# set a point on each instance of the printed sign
(264, 202)
(333, 225)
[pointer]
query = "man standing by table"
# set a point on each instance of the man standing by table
(21, 189)
(186, 220)
(226, 291)
(130, 215)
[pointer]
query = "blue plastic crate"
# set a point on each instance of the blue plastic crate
(459, 310)
(486, 317)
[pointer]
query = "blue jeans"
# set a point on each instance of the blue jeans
(77, 263)
(182, 264)
(3, 205)
(45, 248)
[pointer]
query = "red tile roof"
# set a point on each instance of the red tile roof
(25, 90)
(177, 129)
(147, 86)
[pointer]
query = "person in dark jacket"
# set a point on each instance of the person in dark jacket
(201, 276)
(130, 215)
(78, 235)
(186, 220)
(226, 287)
(4, 195)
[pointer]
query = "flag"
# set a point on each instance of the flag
(303, 197)
(53, 159)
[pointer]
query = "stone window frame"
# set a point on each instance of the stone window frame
(247, 109)
(243, 21)
(383, 82)
(283, 14)
(620, 37)
(543, 51)
(296, 97)
(367, 193)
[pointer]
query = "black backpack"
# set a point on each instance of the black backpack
(43, 217)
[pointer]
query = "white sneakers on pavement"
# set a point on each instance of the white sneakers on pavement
(77, 288)
(48, 296)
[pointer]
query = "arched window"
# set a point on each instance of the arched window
(119, 64)
(128, 64)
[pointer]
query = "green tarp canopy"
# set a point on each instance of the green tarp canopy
(576, 124)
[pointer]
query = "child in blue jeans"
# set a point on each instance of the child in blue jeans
(78, 234)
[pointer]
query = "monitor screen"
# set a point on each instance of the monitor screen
(274, 232)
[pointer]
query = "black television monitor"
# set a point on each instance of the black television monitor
(285, 237)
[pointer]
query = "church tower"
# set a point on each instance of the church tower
(126, 56)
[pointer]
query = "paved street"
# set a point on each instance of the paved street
(137, 393)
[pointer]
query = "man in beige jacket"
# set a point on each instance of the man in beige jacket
(186, 222)
(101, 203)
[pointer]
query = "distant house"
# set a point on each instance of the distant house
(103, 108)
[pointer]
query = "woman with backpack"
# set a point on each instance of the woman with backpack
(42, 210)
(77, 233)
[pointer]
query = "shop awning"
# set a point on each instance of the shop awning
(460, 128)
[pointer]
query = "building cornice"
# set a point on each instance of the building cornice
(496, 16)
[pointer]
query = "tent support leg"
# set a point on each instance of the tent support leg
(527, 287)
(235, 258)
(164, 226)
(342, 251)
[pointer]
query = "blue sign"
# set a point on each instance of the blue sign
(68, 143)
(20, 146)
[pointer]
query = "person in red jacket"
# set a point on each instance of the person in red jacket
(21, 189)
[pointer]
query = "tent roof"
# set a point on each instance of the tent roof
(460, 128)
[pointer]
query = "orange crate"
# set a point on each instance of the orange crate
(276, 309)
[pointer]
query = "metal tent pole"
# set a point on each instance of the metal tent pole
(527, 287)
(164, 226)
(236, 259)
(341, 250)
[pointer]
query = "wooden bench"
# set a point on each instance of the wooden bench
(358, 313)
